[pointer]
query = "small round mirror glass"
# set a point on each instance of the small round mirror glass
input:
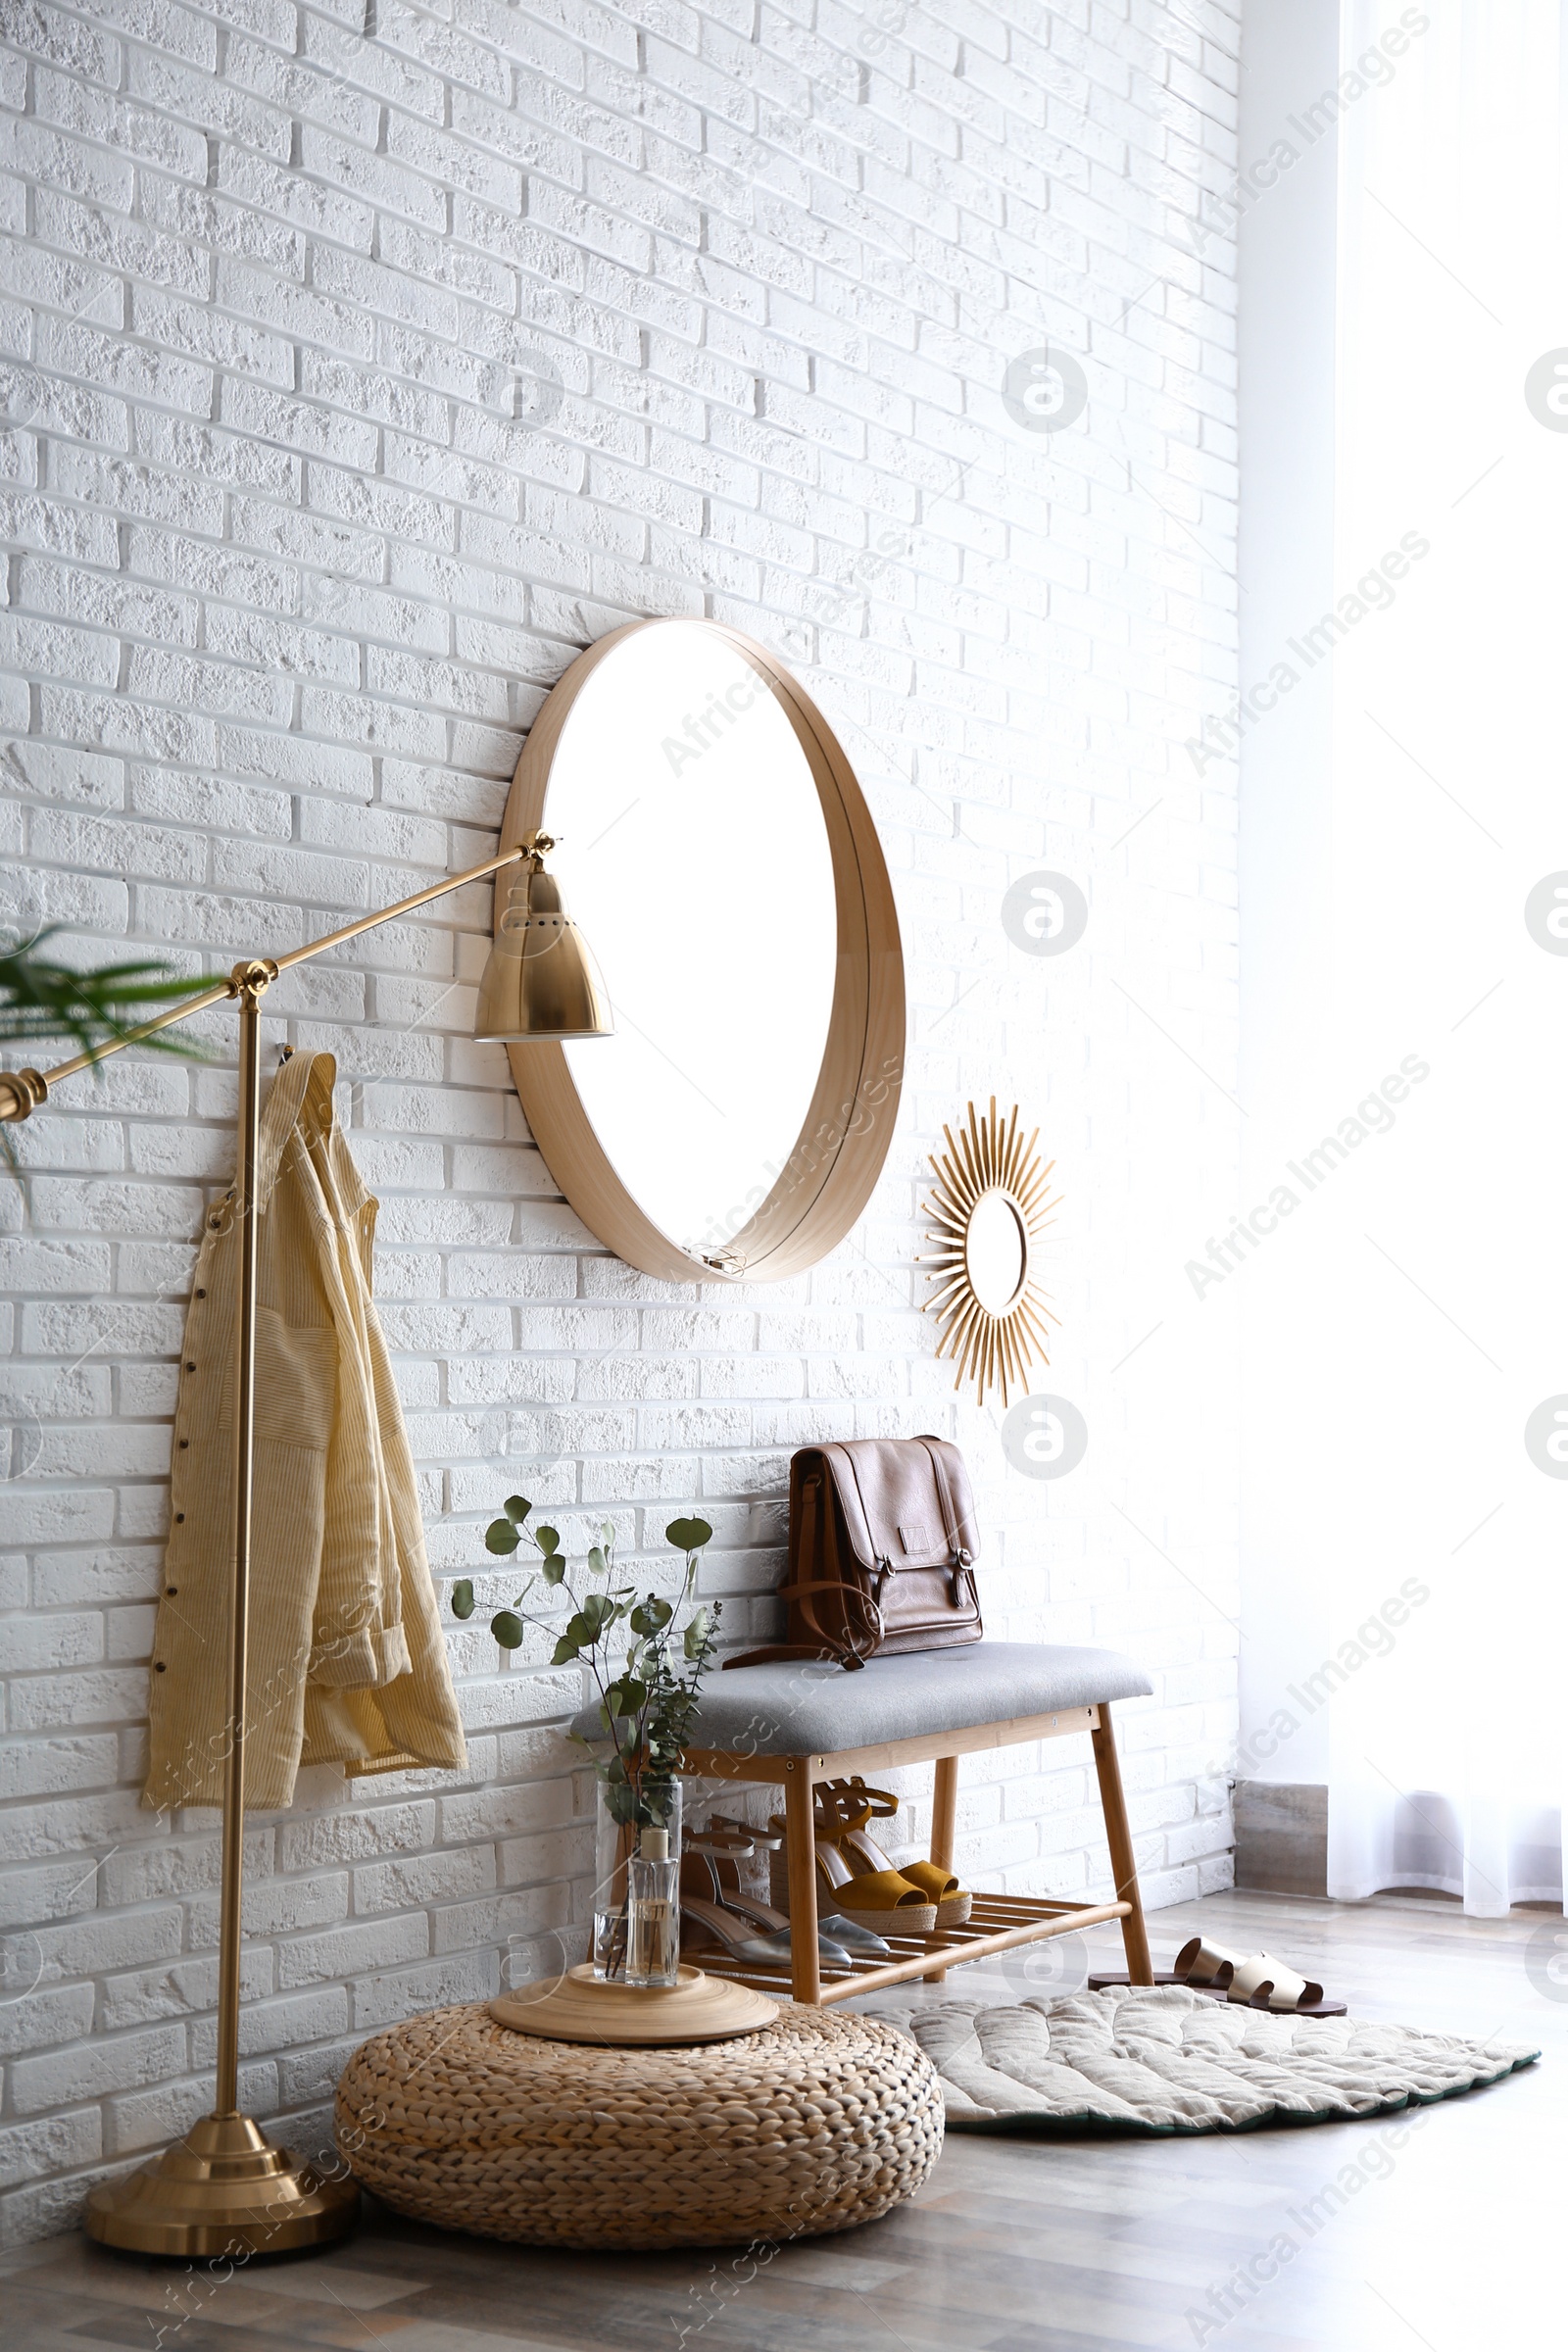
(996, 1252)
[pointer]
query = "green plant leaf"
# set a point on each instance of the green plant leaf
(565, 1651)
(501, 1536)
(626, 1696)
(688, 1534)
(547, 1539)
(597, 1611)
(696, 1635)
(552, 1567)
(597, 1565)
(651, 1616)
(463, 1597)
(509, 1628)
(517, 1508)
(41, 998)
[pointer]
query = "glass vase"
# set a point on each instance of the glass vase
(636, 1911)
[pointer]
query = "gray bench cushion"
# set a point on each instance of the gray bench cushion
(801, 1709)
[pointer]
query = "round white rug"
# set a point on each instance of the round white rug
(1162, 2059)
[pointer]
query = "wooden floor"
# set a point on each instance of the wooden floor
(1448, 2237)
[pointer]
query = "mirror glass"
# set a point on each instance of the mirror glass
(694, 856)
(995, 1251)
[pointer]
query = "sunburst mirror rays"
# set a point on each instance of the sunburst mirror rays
(989, 1207)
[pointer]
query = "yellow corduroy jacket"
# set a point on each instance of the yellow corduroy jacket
(345, 1663)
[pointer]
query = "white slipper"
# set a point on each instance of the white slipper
(1267, 1983)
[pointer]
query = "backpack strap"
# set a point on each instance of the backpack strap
(962, 1559)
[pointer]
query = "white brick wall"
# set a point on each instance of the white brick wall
(300, 531)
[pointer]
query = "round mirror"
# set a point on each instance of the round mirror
(714, 850)
(996, 1252)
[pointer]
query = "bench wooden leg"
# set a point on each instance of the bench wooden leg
(1118, 1836)
(800, 1850)
(944, 1829)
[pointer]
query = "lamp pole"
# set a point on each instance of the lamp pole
(224, 2188)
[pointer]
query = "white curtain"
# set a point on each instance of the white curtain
(1441, 1335)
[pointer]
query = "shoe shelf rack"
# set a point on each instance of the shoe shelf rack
(997, 1922)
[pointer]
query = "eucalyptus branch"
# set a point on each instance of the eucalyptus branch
(645, 1705)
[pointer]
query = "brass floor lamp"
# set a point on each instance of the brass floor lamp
(224, 2188)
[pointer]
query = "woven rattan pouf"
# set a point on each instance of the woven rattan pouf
(814, 2124)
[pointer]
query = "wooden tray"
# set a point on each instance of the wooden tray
(582, 2007)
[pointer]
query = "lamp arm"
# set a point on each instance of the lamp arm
(22, 1091)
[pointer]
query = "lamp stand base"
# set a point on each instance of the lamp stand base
(223, 2189)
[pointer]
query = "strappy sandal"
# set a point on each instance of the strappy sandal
(880, 1900)
(710, 1877)
(725, 1843)
(884, 1902)
(704, 1924)
(855, 1804)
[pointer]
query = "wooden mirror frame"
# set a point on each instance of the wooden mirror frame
(844, 1141)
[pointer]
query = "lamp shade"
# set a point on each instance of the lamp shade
(541, 981)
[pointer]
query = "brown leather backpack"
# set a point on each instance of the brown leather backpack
(882, 1549)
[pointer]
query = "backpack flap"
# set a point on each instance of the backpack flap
(907, 1512)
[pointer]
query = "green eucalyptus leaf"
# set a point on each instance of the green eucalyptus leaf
(547, 1539)
(688, 1534)
(501, 1536)
(463, 1597)
(597, 1611)
(696, 1635)
(607, 1530)
(565, 1651)
(598, 1565)
(509, 1628)
(579, 1631)
(517, 1508)
(553, 1568)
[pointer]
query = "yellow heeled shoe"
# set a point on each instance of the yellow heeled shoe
(856, 1806)
(883, 1900)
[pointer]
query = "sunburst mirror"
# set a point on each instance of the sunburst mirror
(991, 1203)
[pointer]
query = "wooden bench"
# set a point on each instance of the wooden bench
(791, 1726)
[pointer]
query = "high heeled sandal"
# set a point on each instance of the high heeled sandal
(883, 1900)
(855, 1804)
(893, 1906)
(704, 1924)
(723, 1844)
(709, 1871)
